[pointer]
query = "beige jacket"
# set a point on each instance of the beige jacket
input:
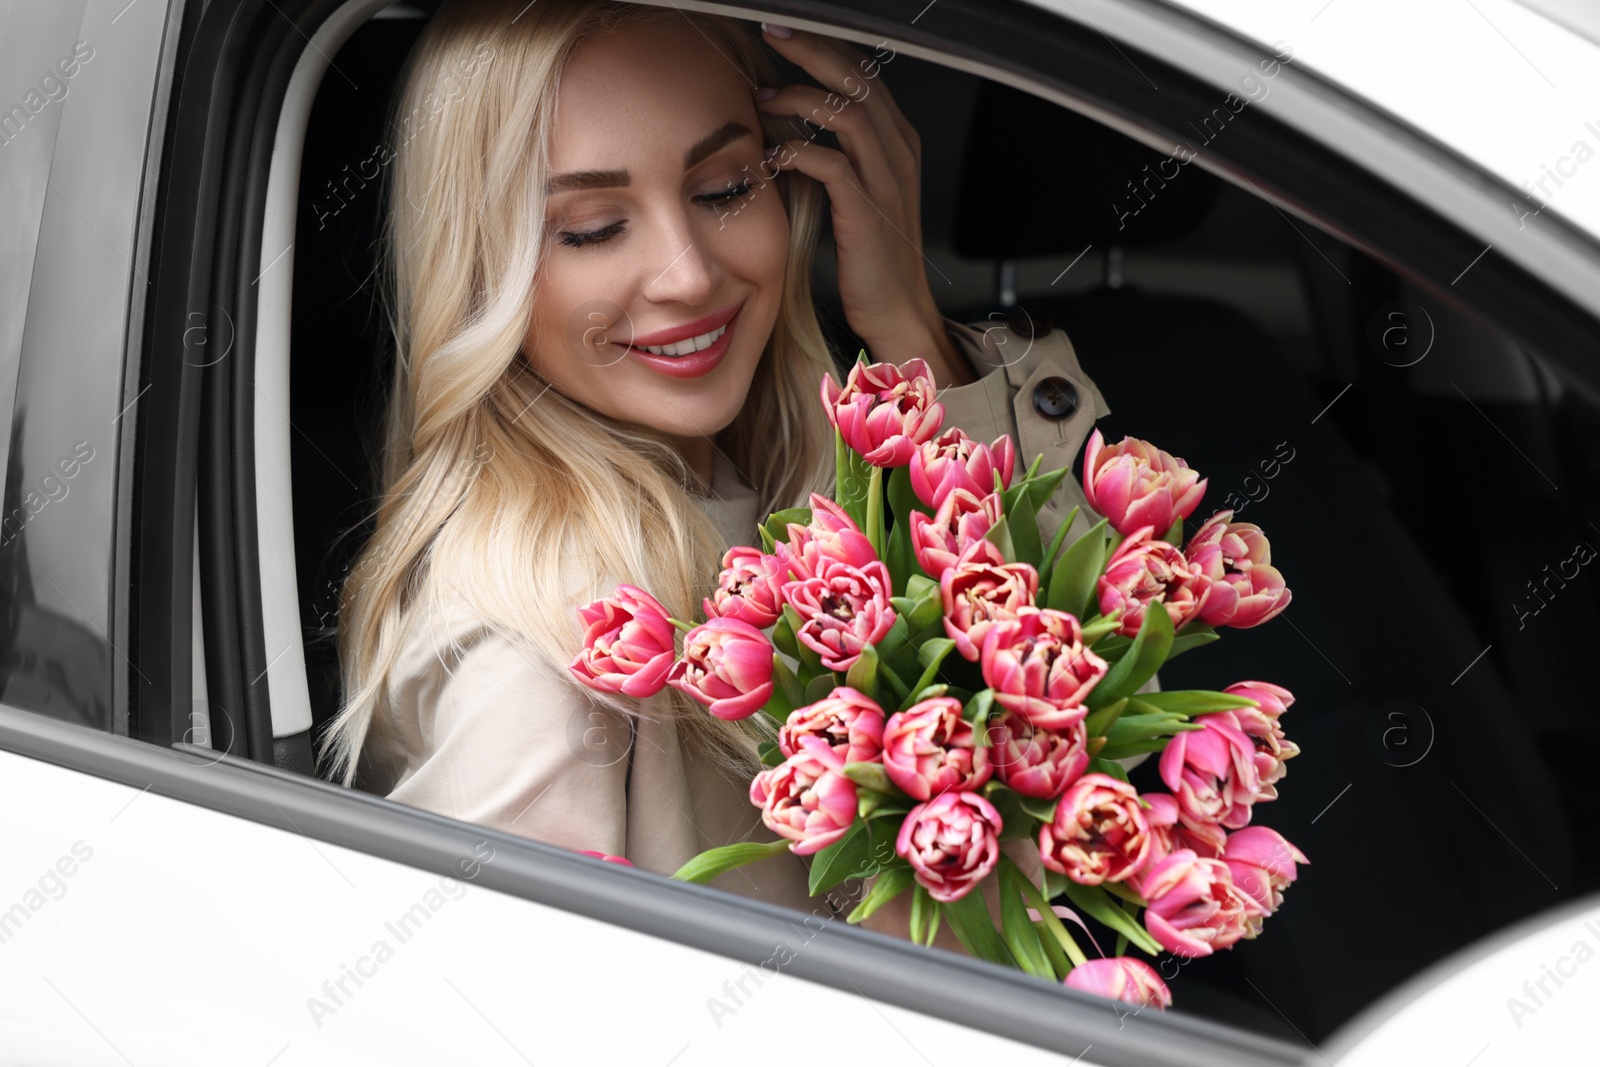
(487, 737)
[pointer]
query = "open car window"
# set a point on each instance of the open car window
(1334, 330)
(1317, 383)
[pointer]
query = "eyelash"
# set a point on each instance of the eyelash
(579, 239)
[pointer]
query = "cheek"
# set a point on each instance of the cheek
(573, 304)
(755, 244)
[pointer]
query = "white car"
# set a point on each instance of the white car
(1342, 255)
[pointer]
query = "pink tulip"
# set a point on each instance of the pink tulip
(1035, 761)
(1145, 571)
(952, 842)
(749, 589)
(627, 644)
(602, 856)
(1260, 724)
(1099, 833)
(832, 535)
(1039, 667)
(1124, 978)
(885, 412)
(938, 540)
(1193, 907)
(1161, 815)
(1133, 483)
(1168, 833)
(849, 721)
(727, 666)
(1212, 772)
(1236, 559)
(1263, 864)
(806, 798)
(981, 589)
(845, 609)
(929, 749)
(954, 461)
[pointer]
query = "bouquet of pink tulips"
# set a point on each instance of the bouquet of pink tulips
(943, 681)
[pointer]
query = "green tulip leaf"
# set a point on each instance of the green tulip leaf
(1042, 488)
(1100, 719)
(1143, 658)
(932, 653)
(1101, 631)
(977, 711)
(1102, 765)
(777, 524)
(863, 673)
(1072, 582)
(1038, 808)
(1098, 904)
(924, 916)
(1194, 701)
(872, 776)
(1017, 929)
(1191, 635)
(890, 883)
(706, 866)
(974, 927)
(1022, 520)
(821, 687)
(848, 857)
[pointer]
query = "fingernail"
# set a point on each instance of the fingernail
(780, 32)
(766, 92)
(771, 152)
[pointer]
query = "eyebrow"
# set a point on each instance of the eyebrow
(600, 179)
(714, 140)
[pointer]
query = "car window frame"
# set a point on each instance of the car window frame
(211, 155)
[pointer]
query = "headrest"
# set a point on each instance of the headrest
(1038, 179)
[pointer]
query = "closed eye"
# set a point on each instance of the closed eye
(732, 192)
(582, 238)
(579, 238)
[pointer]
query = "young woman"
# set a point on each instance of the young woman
(599, 253)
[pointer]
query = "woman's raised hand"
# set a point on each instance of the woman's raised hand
(874, 185)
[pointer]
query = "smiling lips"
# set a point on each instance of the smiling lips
(689, 350)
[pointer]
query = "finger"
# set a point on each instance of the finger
(901, 142)
(837, 68)
(857, 134)
(830, 167)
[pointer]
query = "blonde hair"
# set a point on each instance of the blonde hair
(484, 492)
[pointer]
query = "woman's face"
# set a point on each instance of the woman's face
(652, 239)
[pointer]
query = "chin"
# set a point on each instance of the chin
(713, 423)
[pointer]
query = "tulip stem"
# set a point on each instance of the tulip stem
(874, 529)
(680, 624)
(1052, 922)
(896, 685)
(1120, 890)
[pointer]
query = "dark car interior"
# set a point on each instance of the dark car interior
(1420, 508)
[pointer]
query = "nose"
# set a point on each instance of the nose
(686, 273)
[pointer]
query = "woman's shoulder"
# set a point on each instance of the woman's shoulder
(435, 636)
(444, 625)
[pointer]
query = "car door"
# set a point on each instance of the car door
(179, 886)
